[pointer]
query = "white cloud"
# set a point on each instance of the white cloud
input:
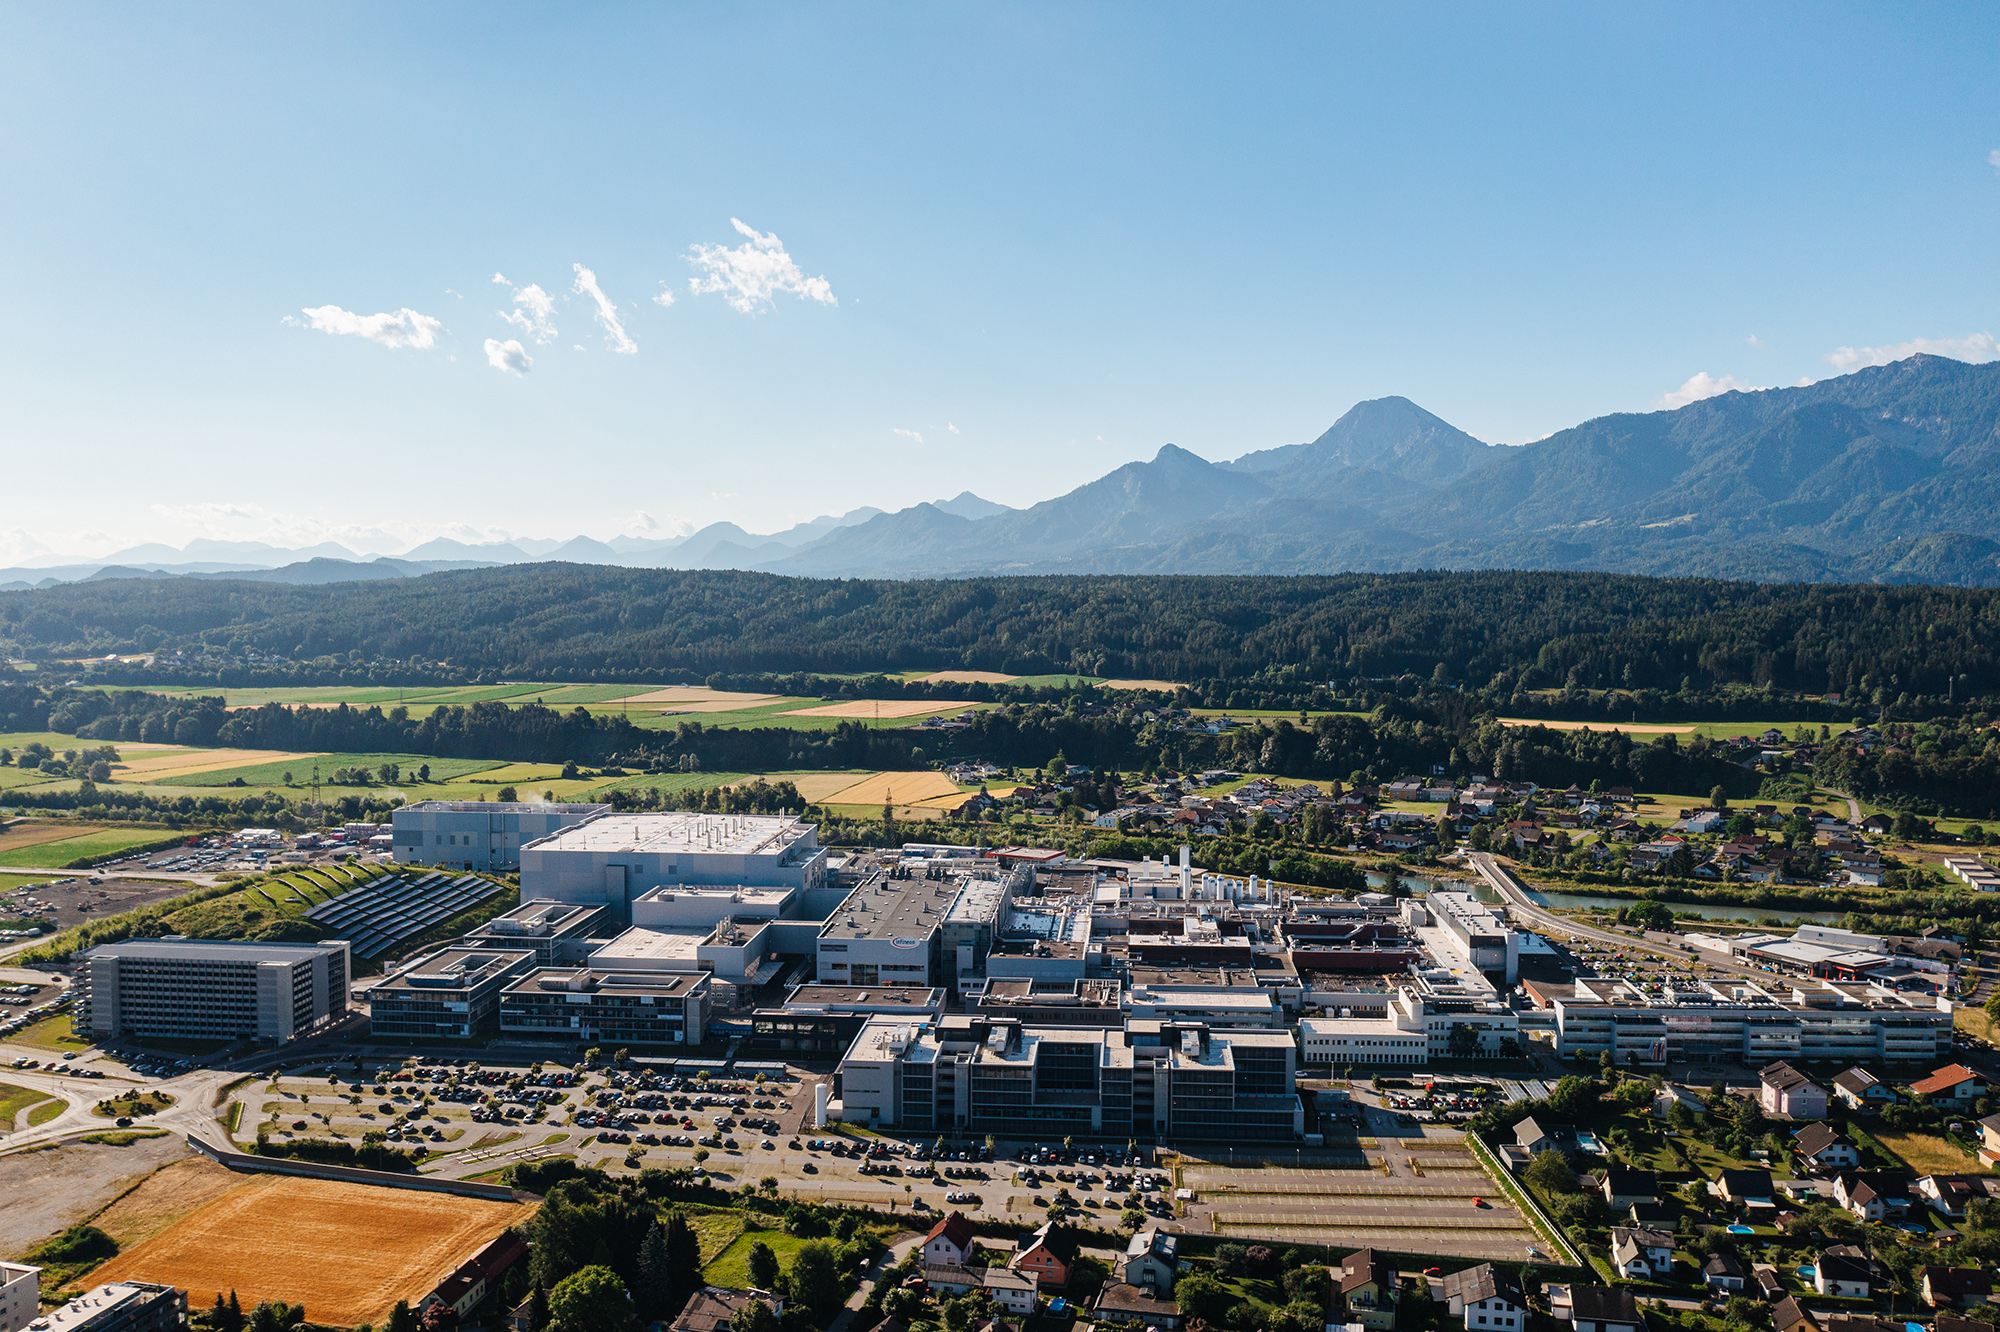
(949, 426)
(1703, 385)
(1994, 158)
(665, 297)
(404, 328)
(509, 356)
(1977, 347)
(1752, 340)
(906, 434)
(751, 274)
(607, 313)
(536, 313)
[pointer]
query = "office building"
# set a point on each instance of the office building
(889, 931)
(613, 859)
(212, 989)
(557, 933)
(449, 994)
(19, 1295)
(1152, 1079)
(122, 1306)
(478, 834)
(1736, 1021)
(614, 1008)
(824, 1019)
(1473, 932)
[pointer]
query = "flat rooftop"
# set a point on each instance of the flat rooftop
(852, 996)
(979, 902)
(597, 980)
(640, 944)
(540, 918)
(683, 833)
(454, 969)
(95, 1305)
(214, 950)
(893, 909)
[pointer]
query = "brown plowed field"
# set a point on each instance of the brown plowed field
(347, 1252)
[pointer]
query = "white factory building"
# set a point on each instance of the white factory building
(478, 834)
(1468, 930)
(613, 860)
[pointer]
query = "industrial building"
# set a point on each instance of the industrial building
(1151, 1079)
(448, 994)
(20, 1295)
(1472, 931)
(557, 933)
(612, 860)
(122, 1306)
(621, 1008)
(1398, 1035)
(889, 931)
(824, 1019)
(478, 834)
(1737, 1021)
(212, 989)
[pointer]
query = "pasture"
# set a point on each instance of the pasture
(347, 1252)
(79, 844)
(869, 708)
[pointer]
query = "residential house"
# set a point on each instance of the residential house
(1012, 1291)
(463, 1288)
(1119, 1305)
(1049, 1253)
(1955, 1287)
(1954, 1083)
(1604, 1309)
(1486, 1299)
(1842, 1271)
(1950, 1195)
(1768, 1283)
(1863, 1090)
(1723, 1271)
(1530, 1137)
(1367, 1287)
(1654, 1249)
(949, 1243)
(1822, 1150)
(711, 1308)
(1150, 1261)
(954, 1279)
(1788, 1315)
(1622, 1187)
(1989, 1139)
(1873, 1195)
(1863, 1323)
(1752, 1188)
(1786, 1091)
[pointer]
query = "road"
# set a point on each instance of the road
(1502, 881)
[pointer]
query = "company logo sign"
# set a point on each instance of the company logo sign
(905, 941)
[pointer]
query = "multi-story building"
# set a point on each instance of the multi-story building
(1396, 1036)
(889, 931)
(555, 932)
(1473, 931)
(623, 1008)
(212, 989)
(452, 993)
(1738, 1021)
(823, 1019)
(1152, 1079)
(612, 859)
(122, 1306)
(478, 834)
(20, 1288)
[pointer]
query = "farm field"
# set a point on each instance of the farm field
(905, 788)
(263, 768)
(348, 1252)
(881, 707)
(54, 853)
(1629, 728)
(966, 677)
(1164, 686)
(187, 762)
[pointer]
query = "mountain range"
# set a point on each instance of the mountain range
(1891, 473)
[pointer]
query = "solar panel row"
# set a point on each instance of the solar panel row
(376, 915)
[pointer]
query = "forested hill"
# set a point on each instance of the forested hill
(578, 622)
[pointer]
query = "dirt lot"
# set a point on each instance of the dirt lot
(49, 1191)
(77, 901)
(172, 1193)
(346, 1251)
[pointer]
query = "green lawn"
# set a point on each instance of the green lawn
(672, 783)
(9, 882)
(105, 842)
(15, 1099)
(51, 1034)
(273, 774)
(731, 1267)
(46, 1111)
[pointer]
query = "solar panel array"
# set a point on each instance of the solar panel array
(378, 913)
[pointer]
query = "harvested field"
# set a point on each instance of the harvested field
(348, 1252)
(172, 1193)
(882, 707)
(817, 786)
(690, 698)
(905, 788)
(161, 767)
(968, 677)
(1167, 686)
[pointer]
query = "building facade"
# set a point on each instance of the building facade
(612, 859)
(122, 1306)
(449, 994)
(20, 1288)
(478, 834)
(1738, 1021)
(212, 989)
(555, 932)
(622, 1008)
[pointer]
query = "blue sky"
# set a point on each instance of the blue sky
(996, 247)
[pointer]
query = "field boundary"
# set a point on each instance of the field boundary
(278, 1165)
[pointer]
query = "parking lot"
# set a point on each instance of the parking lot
(80, 897)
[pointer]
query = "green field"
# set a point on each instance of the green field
(15, 1099)
(673, 783)
(731, 1267)
(102, 842)
(443, 770)
(9, 882)
(50, 1034)
(14, 779)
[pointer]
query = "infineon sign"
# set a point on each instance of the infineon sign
(905, 941)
